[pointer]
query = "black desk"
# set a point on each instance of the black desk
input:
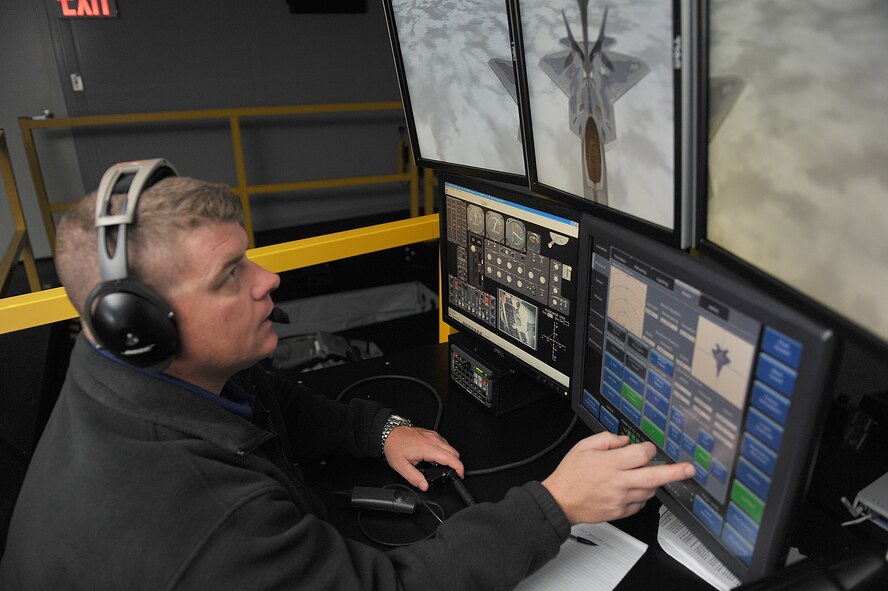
(483, 441)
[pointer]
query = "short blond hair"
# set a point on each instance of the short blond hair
(165, 210)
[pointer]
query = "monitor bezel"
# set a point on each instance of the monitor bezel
(521, 196)
(410, 120)
(684, 208)
(845, 328)
(808, 417)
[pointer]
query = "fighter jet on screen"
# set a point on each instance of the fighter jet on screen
(506, 74)
(593, 77)
(723, 93)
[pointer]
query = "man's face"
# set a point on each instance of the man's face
(222, 301)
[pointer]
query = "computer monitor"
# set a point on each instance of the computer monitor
(605, 88)
(713, 372)
(509, 269)
(457, 81)
(795, 150)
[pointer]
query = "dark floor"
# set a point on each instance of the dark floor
(33, 362)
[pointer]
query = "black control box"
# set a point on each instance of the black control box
(491, 379)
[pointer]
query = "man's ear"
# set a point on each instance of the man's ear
(84, 328)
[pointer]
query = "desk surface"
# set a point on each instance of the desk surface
(483, 441)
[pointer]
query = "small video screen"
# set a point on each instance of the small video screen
(518, 319)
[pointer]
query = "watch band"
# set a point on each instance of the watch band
(390, 424)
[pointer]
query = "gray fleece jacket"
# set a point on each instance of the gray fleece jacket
(138, 483)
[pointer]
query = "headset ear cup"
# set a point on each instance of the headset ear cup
(133, 323)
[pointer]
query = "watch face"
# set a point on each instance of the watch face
(495, 226)
(516, 234)
(475, 217)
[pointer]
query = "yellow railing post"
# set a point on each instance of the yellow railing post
(20, 245)
(37, 177)
(414, 190)
(241, 169)
(429, 180)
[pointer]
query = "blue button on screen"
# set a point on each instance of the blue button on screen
(661, 363)
(770, 402)
(760, 456)
(754, 479)
(743, 523)
(780, 377)
(659, 384)
(707, 515)
(782, 347)
(658, 418)
(612, 395)
(591, 404)
(766, 430)
(737, 545)
(609, 421)
(613, 364)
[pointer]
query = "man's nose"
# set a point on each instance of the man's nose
(266, 283)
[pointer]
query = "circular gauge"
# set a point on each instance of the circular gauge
(533, 242)
(495, 226)
(516, 234)
(475, 216)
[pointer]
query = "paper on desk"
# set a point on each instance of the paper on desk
(581, 566)
(682, 545)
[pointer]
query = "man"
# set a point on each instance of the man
(188, 477)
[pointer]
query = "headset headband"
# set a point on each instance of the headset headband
(134, 178)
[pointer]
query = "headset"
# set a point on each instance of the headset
(127, 318)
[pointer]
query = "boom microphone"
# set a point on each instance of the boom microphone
(279, 316)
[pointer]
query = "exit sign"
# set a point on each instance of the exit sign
(88, 8)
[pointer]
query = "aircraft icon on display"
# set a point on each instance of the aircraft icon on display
(721, 358)
(593, 77)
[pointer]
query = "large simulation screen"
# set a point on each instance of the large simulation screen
(798, 185)
(603, 83)
(713, 373)
(454, 61)
(510, 270)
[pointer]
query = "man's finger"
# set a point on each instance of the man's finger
(409, 472)
(651, 477)
(604, 441)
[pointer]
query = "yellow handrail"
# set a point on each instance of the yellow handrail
(52, 305)
(405, 172)
(20, 245)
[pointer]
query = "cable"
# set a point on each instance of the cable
(519, 463)
(482, 471)
(860, 519)
(422, 383)
(427, 504)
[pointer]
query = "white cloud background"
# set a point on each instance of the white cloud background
(463, 113)
(799, 168)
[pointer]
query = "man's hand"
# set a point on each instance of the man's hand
(408, 446)
(602, 478)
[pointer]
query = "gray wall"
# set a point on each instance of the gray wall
(169, 55)
(29, 84)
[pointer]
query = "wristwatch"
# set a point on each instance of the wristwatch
(390, 424)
